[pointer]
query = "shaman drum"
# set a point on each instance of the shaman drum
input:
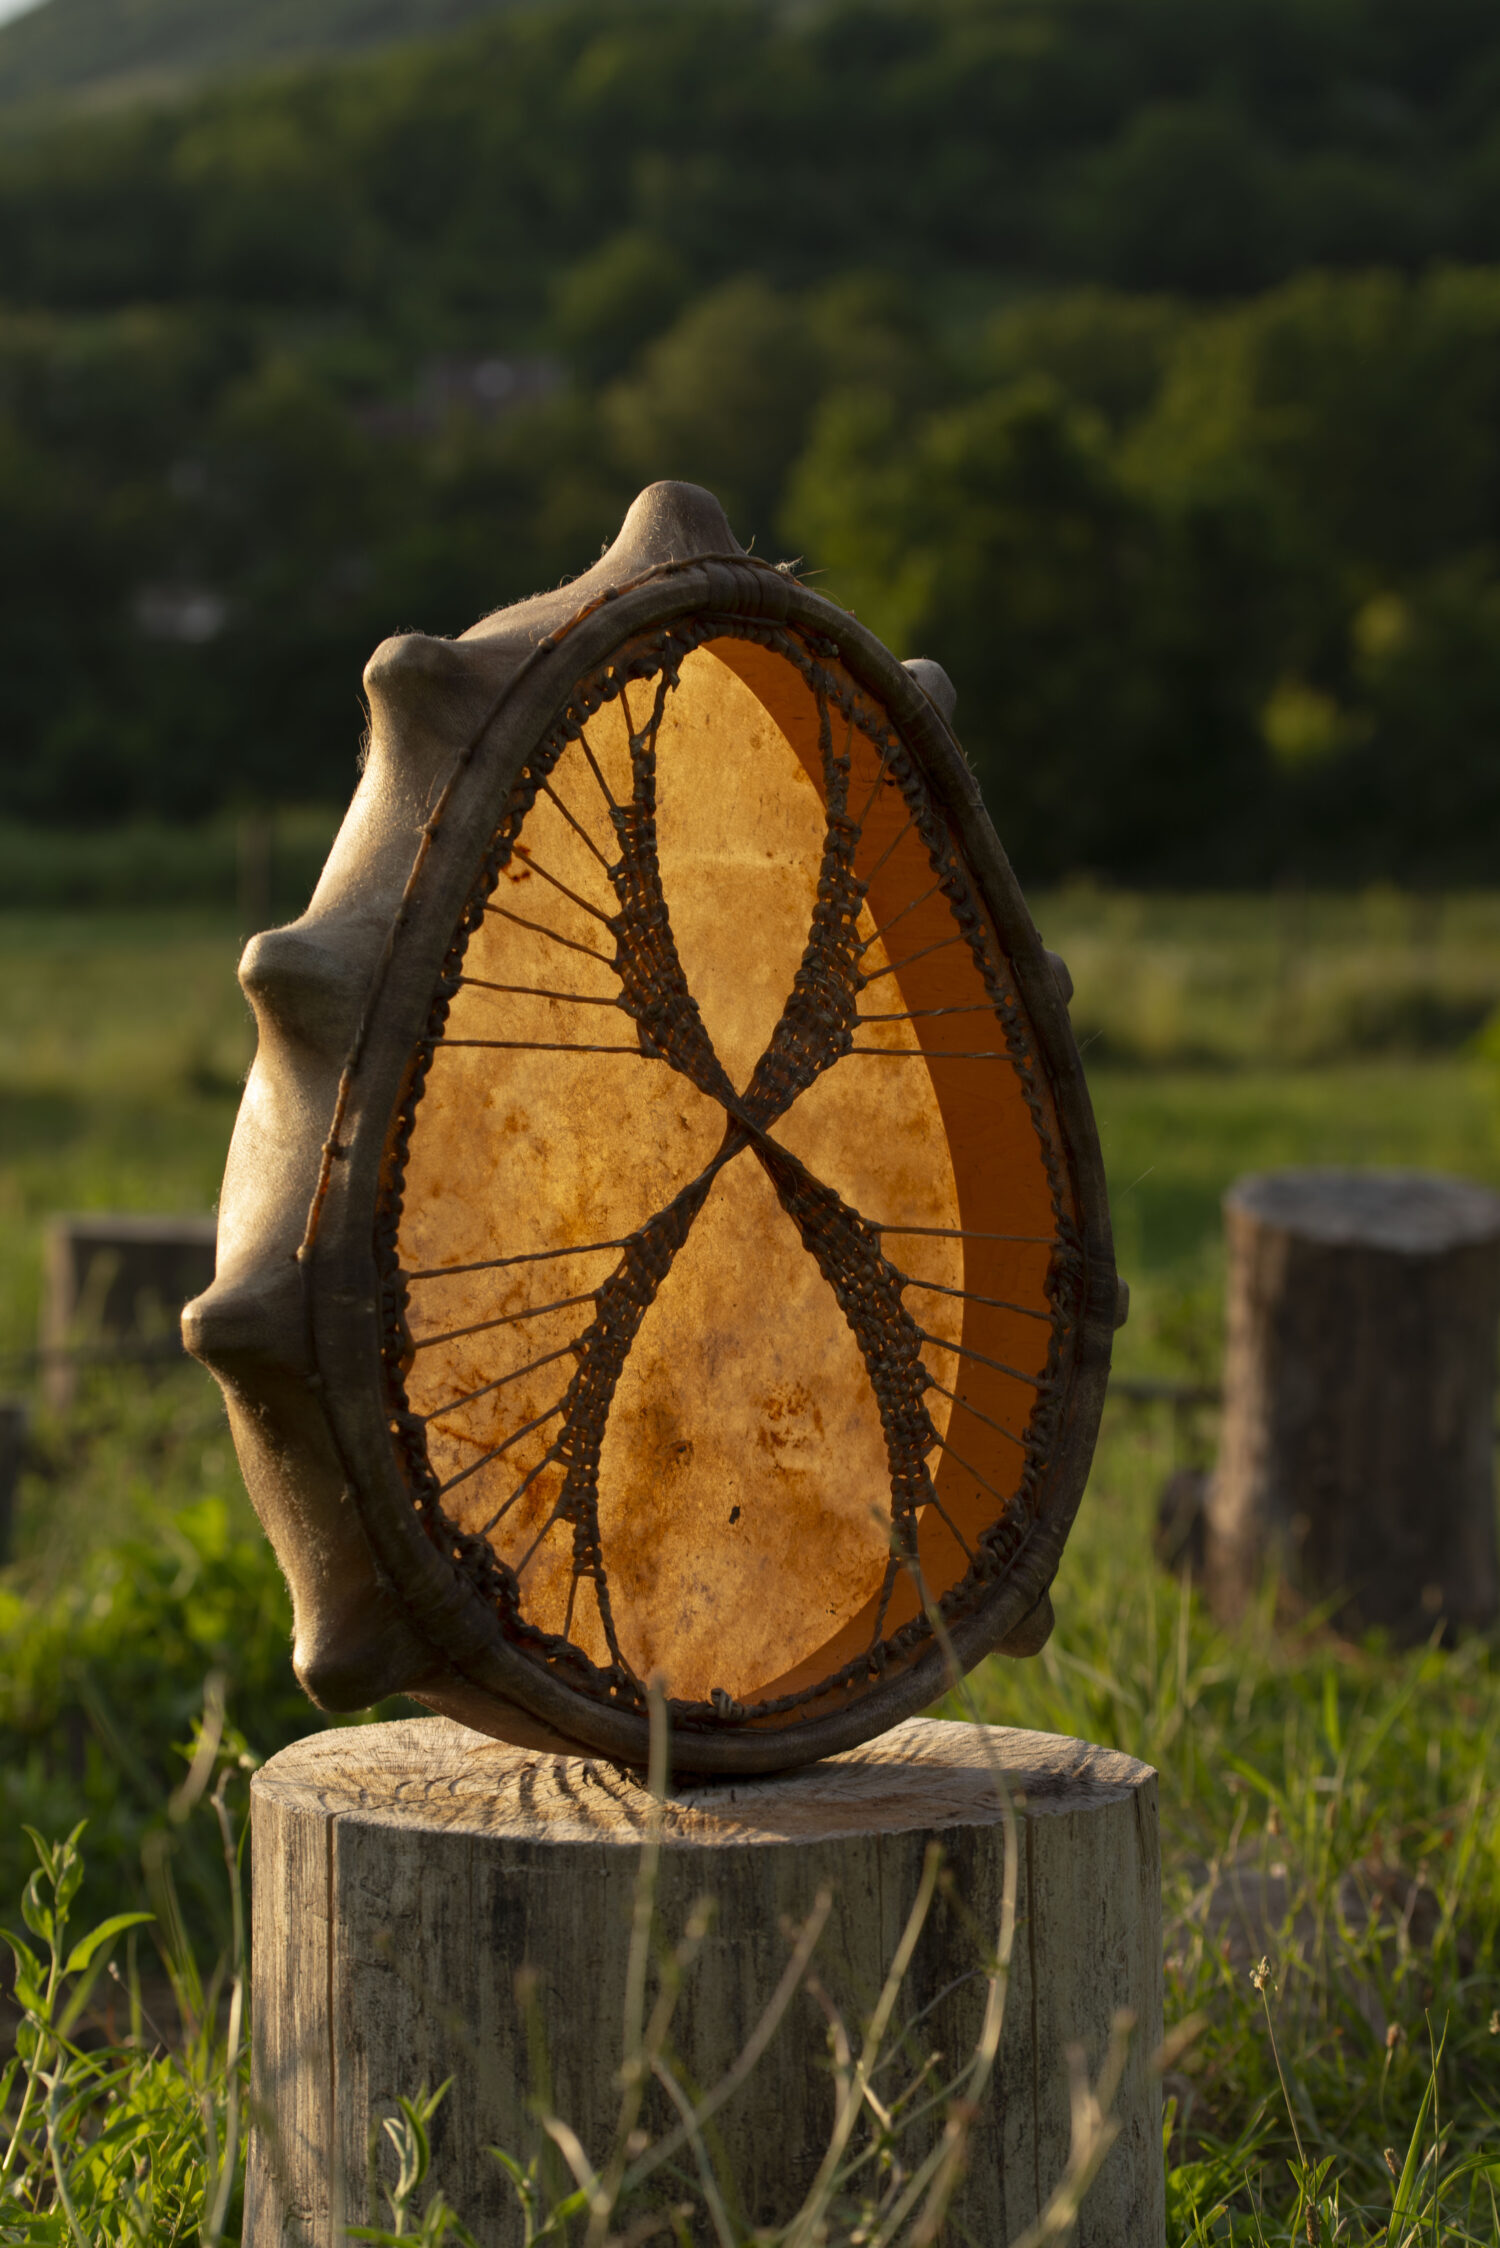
(664, 1238)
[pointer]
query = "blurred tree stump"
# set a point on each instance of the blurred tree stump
(1177, 1539)
(117, 1285)
(13, 1424)
(433, 1904)
(1357, 1449)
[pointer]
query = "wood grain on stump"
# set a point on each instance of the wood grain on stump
(405, 1874)
(1357, 1454)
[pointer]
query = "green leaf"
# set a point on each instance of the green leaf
(29, 1993)
(1333, 1730)
(1257, 1780)
(1402, 2207)
(43, 1849)
(23, 1955)
(430, 2102)
(86, 1946)
(37, 1915)
(69, 1873)
(417, 2153)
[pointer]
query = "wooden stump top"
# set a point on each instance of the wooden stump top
(406, 1874)
(921, 1776)
(1406, 1213)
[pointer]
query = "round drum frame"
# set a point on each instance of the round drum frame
(299, 1324)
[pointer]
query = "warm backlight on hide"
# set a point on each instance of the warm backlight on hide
(664, 1247)
(726, 1226)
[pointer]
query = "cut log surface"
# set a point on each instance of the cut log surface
(406, 1874)
(1357, 1453)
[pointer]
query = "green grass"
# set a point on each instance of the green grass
(122, 2140)
(1292, 978)
(123, 1044)
(1317, 1770)
(1346, 1767)
(265, 862)
(1174, 1139)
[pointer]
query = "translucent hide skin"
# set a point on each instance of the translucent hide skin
(745, 1509)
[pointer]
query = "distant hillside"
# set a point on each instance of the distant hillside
(106, 50)
(1137, 360)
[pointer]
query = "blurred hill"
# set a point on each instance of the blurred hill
(105, 51)
(1139, 360)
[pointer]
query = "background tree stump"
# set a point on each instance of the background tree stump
(118, 1283)
(13, 1424)
(1357, 1452)
(406, 1873)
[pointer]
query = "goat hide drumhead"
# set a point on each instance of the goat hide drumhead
(664, 1241)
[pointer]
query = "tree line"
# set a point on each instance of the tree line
(1137, 360)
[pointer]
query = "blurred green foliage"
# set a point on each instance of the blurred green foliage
(1135, 359)
(144, 1597)
(102, 51)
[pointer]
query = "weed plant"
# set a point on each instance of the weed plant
(142, 1575)
(1340, 2087)
(111, 2136)
(893, 2158)
(128, 2142)
(1330, 1809)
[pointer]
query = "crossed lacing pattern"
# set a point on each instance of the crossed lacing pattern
(815, 1029)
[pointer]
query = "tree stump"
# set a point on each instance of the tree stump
(12, 1459)
(406, 1874)
(117, 1285)
(1357, 1452)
